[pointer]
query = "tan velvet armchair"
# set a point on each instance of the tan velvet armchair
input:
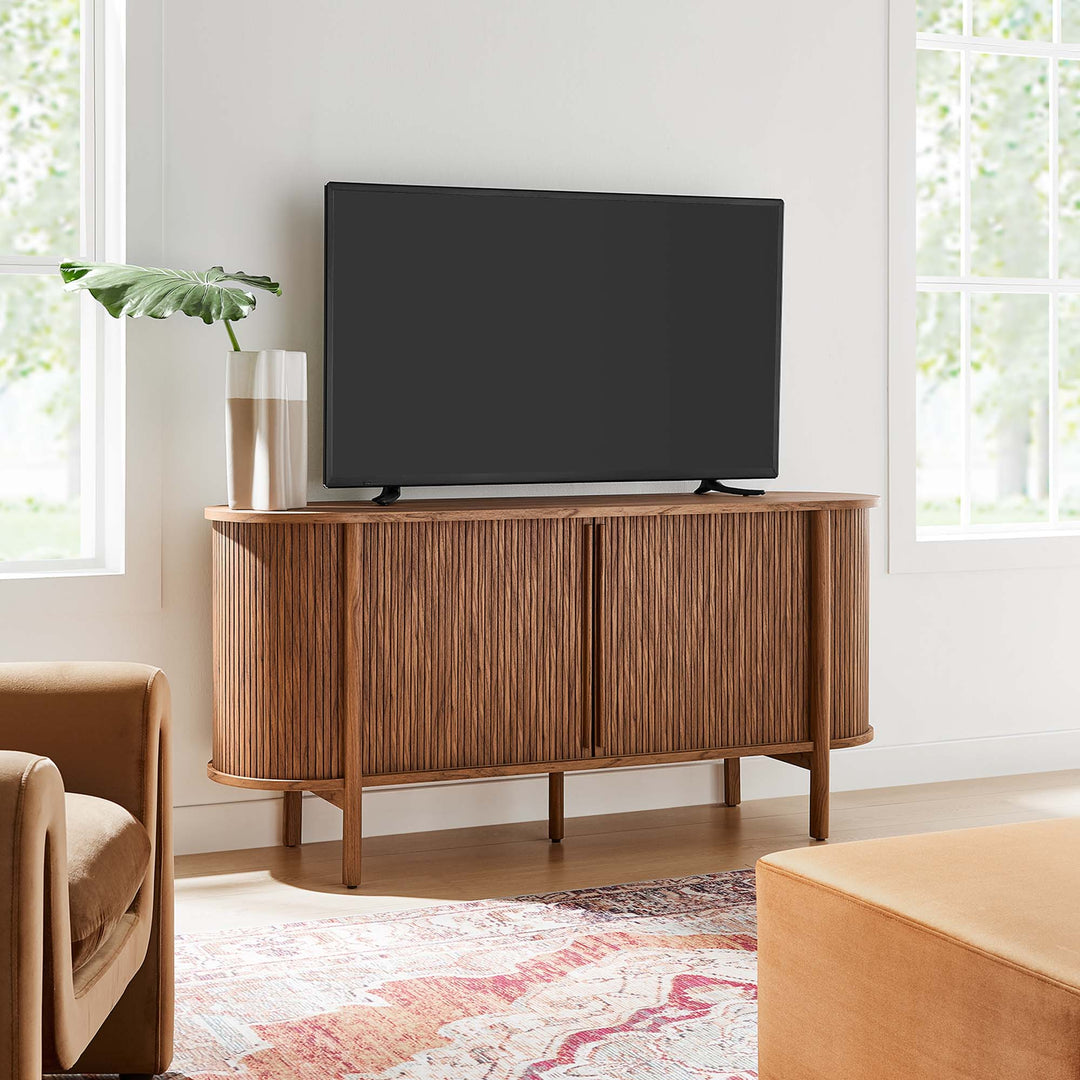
(86, 882)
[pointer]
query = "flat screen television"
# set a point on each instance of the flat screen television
(482, 336)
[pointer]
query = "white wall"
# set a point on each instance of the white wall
(265, 100)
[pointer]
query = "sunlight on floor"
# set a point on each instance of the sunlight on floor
(258, 898)
(1054, 802)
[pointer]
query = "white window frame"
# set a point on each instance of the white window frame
(102, 238)
(994, 547)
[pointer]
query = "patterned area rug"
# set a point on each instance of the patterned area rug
(651, 981)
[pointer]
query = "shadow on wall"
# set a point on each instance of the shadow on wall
(301, 226)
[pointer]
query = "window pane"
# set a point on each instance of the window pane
(1010, 461)
(1068, 481)
(39, 419)
(937, 163)
(39, 127)
(1027, 20)
(1010, 163)
(1070, 21)
(939, 428)
(1069, 168)
(939, 16)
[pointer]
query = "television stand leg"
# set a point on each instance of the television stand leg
(714, 485)
(389, 494)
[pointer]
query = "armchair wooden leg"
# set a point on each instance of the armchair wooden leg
(292, 824)
(555, 807)
(732, 781)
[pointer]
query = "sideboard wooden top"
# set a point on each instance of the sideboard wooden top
(557, 506)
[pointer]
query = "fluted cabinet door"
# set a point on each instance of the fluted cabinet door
(473, 643)
(701, 632)
(277, 651)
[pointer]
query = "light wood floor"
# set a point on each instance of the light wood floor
(272, 885)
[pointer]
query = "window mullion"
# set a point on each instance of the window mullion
(1054, 224)
(965, 165)
(88, 105)
(28, 264)
(1001, 46)
(1055, 274)
(965, 271)
(965, 397)
(1053, 464)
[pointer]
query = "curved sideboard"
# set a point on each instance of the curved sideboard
(357, 645)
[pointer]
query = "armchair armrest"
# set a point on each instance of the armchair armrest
(32, 828)
(100, 723)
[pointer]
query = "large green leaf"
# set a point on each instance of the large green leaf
(148, 290)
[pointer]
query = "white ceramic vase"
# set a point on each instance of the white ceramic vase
(266, 429)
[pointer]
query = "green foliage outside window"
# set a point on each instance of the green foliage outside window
(1009, 424)
(40, 77)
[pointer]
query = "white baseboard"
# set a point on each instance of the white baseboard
(256, 822)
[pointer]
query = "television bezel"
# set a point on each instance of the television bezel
(330, 480)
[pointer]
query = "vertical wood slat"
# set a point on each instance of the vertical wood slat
(851, 622)
(594, 701)
(276, 624)
(481, 662)
(588, 632)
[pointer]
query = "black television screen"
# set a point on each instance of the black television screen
(477, 335)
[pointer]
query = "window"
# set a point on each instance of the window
(60, 365)
(997, 262)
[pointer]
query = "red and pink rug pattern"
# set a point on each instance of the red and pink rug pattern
(650, 981)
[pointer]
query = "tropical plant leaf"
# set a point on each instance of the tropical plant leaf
(159, 293)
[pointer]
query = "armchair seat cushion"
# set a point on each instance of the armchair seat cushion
(108, 852)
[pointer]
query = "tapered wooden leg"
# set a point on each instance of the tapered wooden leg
(732, 781)
(351, 834)
(555, 807)
(352, 747)
(821, 658)
(292, 818)
(819, 794)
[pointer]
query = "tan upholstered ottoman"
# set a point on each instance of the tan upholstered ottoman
(938, 957)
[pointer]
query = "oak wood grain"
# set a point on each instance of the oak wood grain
(471, 650)
(292, 818)
(272, 885)
(555, 807)
(732, 782)
(560, 506)
(362, 646)
(263, 783)
(330, 789)
(277, 651)
(849, 542)
(629, 761)
(355, 633)
(704, 632)
(822, 645)
(588, 638)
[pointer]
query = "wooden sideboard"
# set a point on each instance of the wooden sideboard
(357, 645)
